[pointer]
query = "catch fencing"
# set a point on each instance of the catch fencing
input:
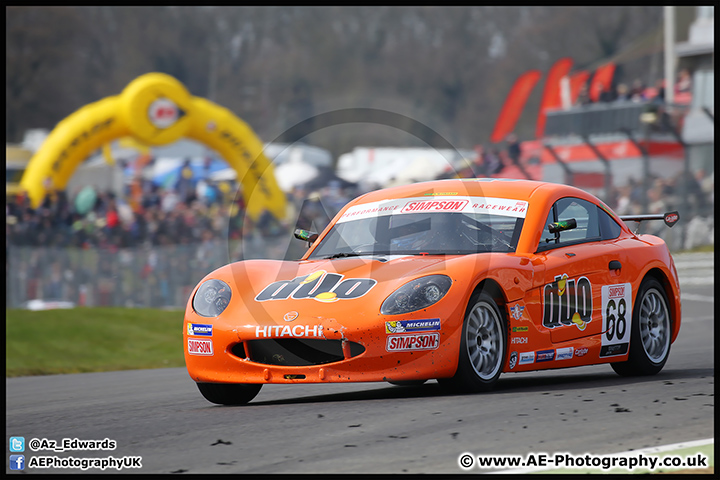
(155, 277)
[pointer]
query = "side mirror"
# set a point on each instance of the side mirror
(306, 235)
(562, 225)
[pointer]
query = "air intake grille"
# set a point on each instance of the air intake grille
(294, 352)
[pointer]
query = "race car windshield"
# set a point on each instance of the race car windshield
(421, 233)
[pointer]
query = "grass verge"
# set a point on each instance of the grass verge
(91, 340)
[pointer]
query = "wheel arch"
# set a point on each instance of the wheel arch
(466, 377)
(494, 289)
(673, 304)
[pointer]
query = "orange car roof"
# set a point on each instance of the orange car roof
(484, 187)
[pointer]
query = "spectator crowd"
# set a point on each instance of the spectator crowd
(638, 91)
(151, 249)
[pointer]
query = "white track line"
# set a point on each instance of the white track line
(697, 281)
(693, 297)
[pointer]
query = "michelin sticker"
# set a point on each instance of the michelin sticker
(199, 329)
(410, 326)
(616, 319)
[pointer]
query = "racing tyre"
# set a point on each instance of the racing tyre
(482, 347)
(650, 332)
(229, 393)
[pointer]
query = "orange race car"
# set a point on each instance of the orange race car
(456, 280)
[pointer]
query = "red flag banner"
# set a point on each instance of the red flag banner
(602, 78)
(551, 93)
(576, 82)
(514, 104)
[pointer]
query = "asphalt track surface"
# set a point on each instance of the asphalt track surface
(376, 427)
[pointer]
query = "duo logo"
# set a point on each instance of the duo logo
(321, 286)
(567, 302)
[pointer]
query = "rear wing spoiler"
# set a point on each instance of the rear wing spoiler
(670, 218)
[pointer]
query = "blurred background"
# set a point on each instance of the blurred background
(618, 101)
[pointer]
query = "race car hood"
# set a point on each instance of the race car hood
(340, 292)
(253, 277)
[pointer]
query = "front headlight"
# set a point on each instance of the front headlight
(420, 293)
(211, 298)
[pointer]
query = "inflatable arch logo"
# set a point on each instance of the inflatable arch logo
(156, 109)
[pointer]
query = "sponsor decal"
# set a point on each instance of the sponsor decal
(321, 286)
(580, 352)
(79, 140)
(440, 194)
(516, 311)
(614, 350)
(197, 346)
(671, 218)
(296, 331)
(564, 353)
(527, 358)
(290, 316)
(199, 329)
(616, 318)
(513, 360)
(408, 343)
(519, 340)
(520, 329)
(409, 326)
(163, 113)
(502, 206)
(435, 206)
(545, 355)
(438, 204)
(567, 302)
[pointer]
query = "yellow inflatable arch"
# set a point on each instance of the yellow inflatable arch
(156, 109)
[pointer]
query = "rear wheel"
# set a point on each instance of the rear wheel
(650, 334)
(482, 347)
(229, 393)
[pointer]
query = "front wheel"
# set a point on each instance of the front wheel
(650, 334)
(482, 347)
(229, 393)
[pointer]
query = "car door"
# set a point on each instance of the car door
(576, 266)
